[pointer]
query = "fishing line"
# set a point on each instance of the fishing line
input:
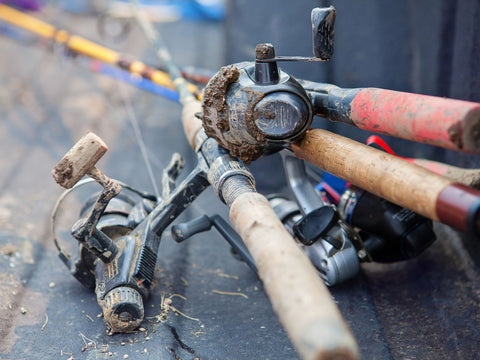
(162, 53)
(164, 56)
(138, 135)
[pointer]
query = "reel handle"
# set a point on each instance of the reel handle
(79, 160)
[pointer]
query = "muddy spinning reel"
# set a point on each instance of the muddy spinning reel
(110, 259)
(256, 109)
(119, 231)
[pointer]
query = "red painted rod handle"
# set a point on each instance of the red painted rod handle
(448, 123)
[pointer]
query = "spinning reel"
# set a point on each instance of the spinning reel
(110, 258)
(119, 232)
(256, 109)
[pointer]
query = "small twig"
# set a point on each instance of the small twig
(218, 272)
(177, 295)
(230, 293)
(228, 276)
(197, 333)
(166, 305)
(184, 315)
(63, 353)
(89, 317)
(45, 323)
(88, 344)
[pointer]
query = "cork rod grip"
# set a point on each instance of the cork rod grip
(191, 124)
(297, 293)
(299, 297)
(392, 178)
(469, 177)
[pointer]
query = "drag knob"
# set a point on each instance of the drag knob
(122, 309)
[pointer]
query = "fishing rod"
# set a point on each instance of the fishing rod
(250, 124)
(194, 75)
(468, 177)
(86, 47)
(139, 82)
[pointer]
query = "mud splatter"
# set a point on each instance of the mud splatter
(21, 250)
(214, 107)
(455, 134)
(215, 116)
(63, 171)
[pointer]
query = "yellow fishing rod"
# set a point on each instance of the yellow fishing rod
(88, 48)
